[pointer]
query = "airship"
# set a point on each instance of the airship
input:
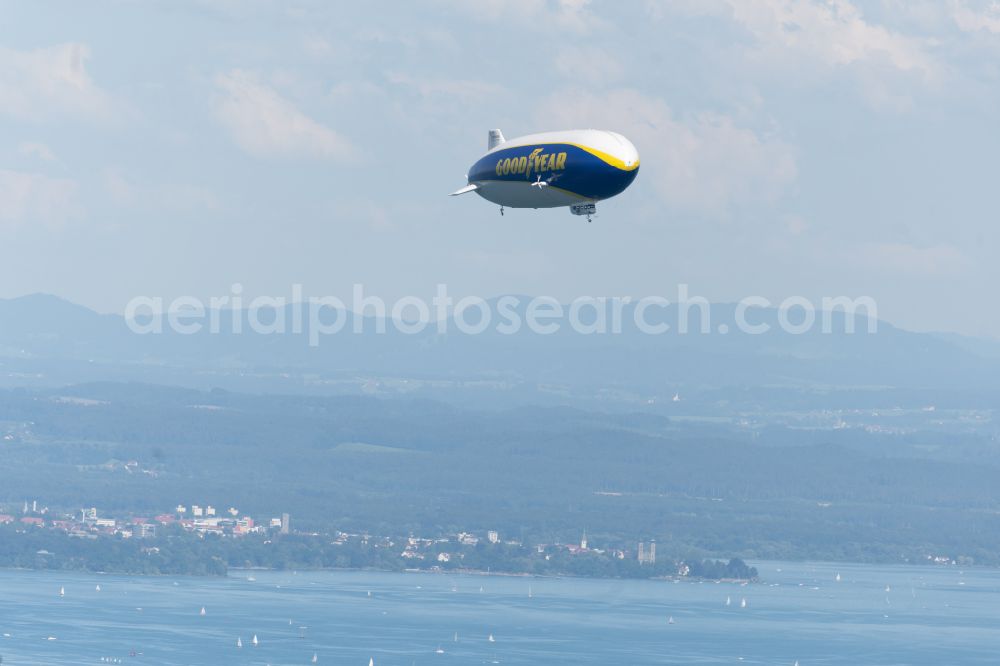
(575, 168)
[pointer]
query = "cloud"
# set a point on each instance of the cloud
(926, 16)
(171, 196)
(320, 47)
(936, 260)
(345, 92)
(969, 20)
(47, 82)
(30, 197)
(589, 64)
(463, 91)
(265, 124)
(567, 15)
(833, 32)
(796, 224)
(705, 164)
(37, 150)
(808, 40)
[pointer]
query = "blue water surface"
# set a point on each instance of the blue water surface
(800, 613)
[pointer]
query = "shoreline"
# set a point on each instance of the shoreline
(442, 572)
(778, 564)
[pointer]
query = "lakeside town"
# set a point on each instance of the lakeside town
(202, 539)
(228, 538)
(87, 523)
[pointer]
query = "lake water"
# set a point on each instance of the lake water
(926, 615)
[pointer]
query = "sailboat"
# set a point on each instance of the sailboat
(729, 601)
(837, 578)
(97, 588)
(239, 641)
(315, 658)
(253, 641)
(670, 620)
(62, 591)
(491, 639)
(202, 611)
(888, 589)
(743, 602)
(371, 661)
(456, 636)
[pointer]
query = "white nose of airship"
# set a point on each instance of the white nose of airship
(624, 150)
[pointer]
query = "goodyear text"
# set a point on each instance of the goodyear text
(537, 162)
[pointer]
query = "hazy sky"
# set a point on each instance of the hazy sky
(815, 148)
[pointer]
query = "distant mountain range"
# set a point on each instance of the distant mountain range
(45, 340)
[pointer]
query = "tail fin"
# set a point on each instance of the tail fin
(496, 138)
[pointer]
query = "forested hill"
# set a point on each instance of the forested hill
(397, 466)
